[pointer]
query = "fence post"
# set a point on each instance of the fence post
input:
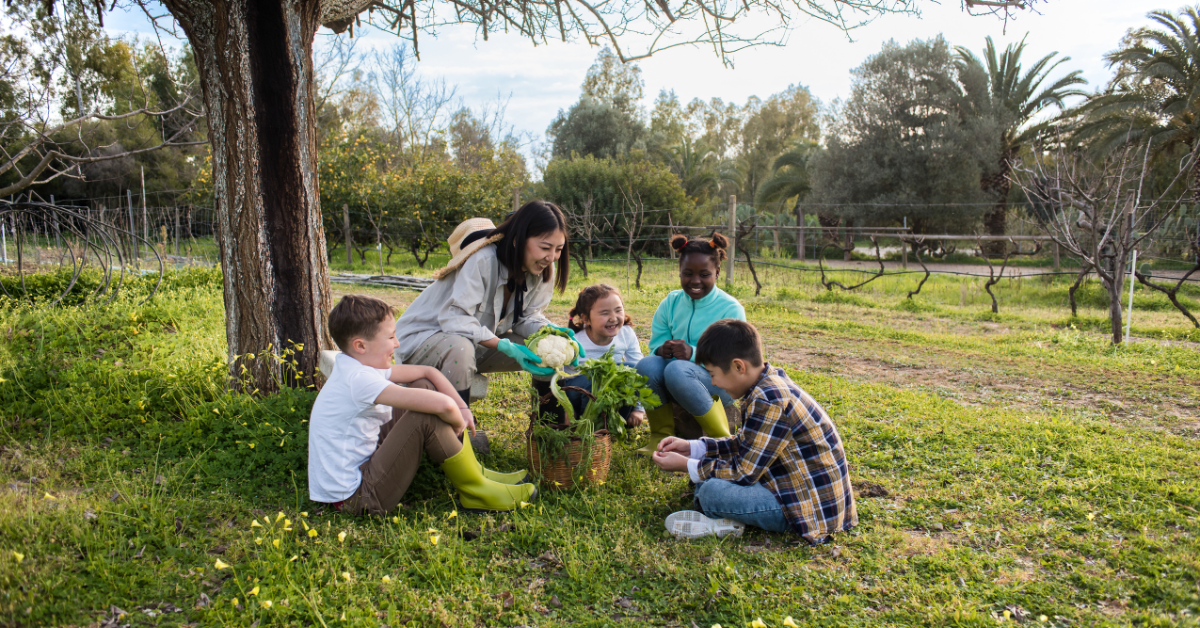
(132, 225)
(145, 222)
(732, 240)
(801, 233)
(776, 234)
(516, 199)
(671, 227)
(57, 241)
(1057, 254)
(346, 225)
(176, 231)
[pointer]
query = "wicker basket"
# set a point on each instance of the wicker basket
(563, 473)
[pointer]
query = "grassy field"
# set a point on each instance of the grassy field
(1009, 468)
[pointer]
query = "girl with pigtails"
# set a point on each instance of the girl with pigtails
(678, 323)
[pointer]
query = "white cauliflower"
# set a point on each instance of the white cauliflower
(555, 351)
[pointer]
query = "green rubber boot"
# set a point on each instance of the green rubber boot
(714, 422)
(513, 478)
(477, 492)
(662, 425)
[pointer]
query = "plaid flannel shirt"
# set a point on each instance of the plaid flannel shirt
(789, 444)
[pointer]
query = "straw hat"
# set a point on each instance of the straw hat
(458, 253)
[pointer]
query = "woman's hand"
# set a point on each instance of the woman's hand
(525, 358)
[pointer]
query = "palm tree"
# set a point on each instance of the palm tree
(789, 177)
(700, 169)
(1015, 99)
(1154, 95)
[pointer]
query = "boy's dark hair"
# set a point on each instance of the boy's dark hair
(726, 340)
(583, 305)
(357, 316)
(713, 247)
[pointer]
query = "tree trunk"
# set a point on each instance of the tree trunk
(255, 63)
(995, 222)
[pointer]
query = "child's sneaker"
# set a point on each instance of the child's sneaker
(689, 524)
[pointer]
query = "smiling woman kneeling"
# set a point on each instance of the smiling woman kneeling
(491, 296)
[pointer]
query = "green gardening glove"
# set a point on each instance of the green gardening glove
(527, 359)
(579, 352)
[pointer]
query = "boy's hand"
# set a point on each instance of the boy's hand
(469, 419)
(670, 461)
(635, 418)
(674, 444)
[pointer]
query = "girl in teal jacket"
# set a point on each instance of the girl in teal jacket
(680, 319)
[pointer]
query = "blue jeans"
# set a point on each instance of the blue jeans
(682, 382)
(753, 505)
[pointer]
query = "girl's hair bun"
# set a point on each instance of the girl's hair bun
(678, 241)
(719, 242)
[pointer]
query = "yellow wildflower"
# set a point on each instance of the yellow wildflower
(293, 558)
(346, 575)
(312, 533)
(789, 622)
(286, 522)
(251, 445)
(49, 496)
(18, 556)
(220, 564)
(304, 514)
(432, 530)
(1042, 618)
(253, 591)
(434, 539)
(266, 603)
(525, 504)
(757, 623)
(267, 519)
(386, 579)
(258, 540)
(234, 601)
(453, 514)
(341, 537)
(305, 524)
(279, 516)
(255, 524)
(395, 519)
(275, 543)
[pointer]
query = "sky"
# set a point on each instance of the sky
(539, 81)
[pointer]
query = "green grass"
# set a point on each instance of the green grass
(1015, 463)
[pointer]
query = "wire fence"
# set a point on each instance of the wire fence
(142, 232)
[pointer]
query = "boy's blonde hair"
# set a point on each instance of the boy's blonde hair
(357, 316)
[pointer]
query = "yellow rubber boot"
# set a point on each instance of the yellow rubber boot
(515, 477)
(714, 422)
(477, 492)
(662, 425)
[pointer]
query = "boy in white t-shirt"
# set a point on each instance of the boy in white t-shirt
(366, 434)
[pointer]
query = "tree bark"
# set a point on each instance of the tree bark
(255, 63)
(995, 221)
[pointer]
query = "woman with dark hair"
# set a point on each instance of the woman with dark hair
(475, 317)
(678, 323)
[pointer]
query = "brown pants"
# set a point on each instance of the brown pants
(391, 469)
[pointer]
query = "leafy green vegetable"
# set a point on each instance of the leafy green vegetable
(614, 386)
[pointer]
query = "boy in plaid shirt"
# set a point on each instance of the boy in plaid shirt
(785, 470)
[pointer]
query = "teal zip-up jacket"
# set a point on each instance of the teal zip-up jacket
(680, 317)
